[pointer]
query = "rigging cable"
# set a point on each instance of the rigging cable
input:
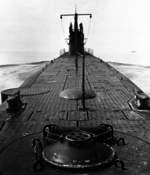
(88, 31)
(63, 31)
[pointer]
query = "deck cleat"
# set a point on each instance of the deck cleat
(13, 99)
(142, 101)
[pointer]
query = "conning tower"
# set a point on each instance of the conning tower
(76, 37)
(76, 34)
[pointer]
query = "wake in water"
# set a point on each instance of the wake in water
(140, 75)
(12, 76)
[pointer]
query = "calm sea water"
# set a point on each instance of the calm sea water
(140, 75)
(15, 67)
(14, 76)
(25, 57)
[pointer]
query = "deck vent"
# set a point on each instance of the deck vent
(78, 149)
(76, 94)
(142, 101)
(13, 99)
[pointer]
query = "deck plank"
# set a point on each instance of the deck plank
(110, 105)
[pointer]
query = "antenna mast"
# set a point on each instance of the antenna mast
(76, 47)
(76, 37)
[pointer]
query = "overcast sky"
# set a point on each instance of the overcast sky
(118, 27)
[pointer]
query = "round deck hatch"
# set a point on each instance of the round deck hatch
(76, 94)
(78, 150)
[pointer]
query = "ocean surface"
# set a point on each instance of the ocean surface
(13, 75)
(16, 57)
(138, 74)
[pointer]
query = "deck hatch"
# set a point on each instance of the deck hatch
(76, 148)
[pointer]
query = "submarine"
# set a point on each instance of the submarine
(76, 116)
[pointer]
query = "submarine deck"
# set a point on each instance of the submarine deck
(44, 106)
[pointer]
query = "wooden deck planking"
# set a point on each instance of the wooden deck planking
(44, 106)
(110, 106)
